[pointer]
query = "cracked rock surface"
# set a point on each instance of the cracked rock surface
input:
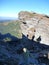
(35, 24)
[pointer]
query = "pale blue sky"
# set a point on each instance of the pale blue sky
(12, 7)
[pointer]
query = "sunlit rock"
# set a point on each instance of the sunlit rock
(35, 24)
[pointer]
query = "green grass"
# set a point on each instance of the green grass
(12, 27)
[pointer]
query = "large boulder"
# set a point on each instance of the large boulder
(33, 24)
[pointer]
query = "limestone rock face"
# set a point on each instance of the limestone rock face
(33, 24)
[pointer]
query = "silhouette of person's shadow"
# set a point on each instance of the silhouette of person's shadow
(24, 41)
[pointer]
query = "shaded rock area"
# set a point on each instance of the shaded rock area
(11, 52)
(35, 24)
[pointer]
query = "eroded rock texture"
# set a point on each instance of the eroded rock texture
(35, 24)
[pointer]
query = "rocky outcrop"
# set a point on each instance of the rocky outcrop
(35, 24)
(24, 50)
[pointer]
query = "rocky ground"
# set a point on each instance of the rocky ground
(23, 52)
(32, 47)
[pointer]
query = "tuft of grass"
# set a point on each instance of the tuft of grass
(7, 39)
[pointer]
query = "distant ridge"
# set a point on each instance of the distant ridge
(7, 18)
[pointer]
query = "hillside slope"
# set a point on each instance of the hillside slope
(28, 23)
(12, 27)
(20, 41)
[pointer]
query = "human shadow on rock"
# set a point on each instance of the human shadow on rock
(24, 41)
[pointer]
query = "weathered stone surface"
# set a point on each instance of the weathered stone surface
(35, 24)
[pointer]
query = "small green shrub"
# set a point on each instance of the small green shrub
(7, 39)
